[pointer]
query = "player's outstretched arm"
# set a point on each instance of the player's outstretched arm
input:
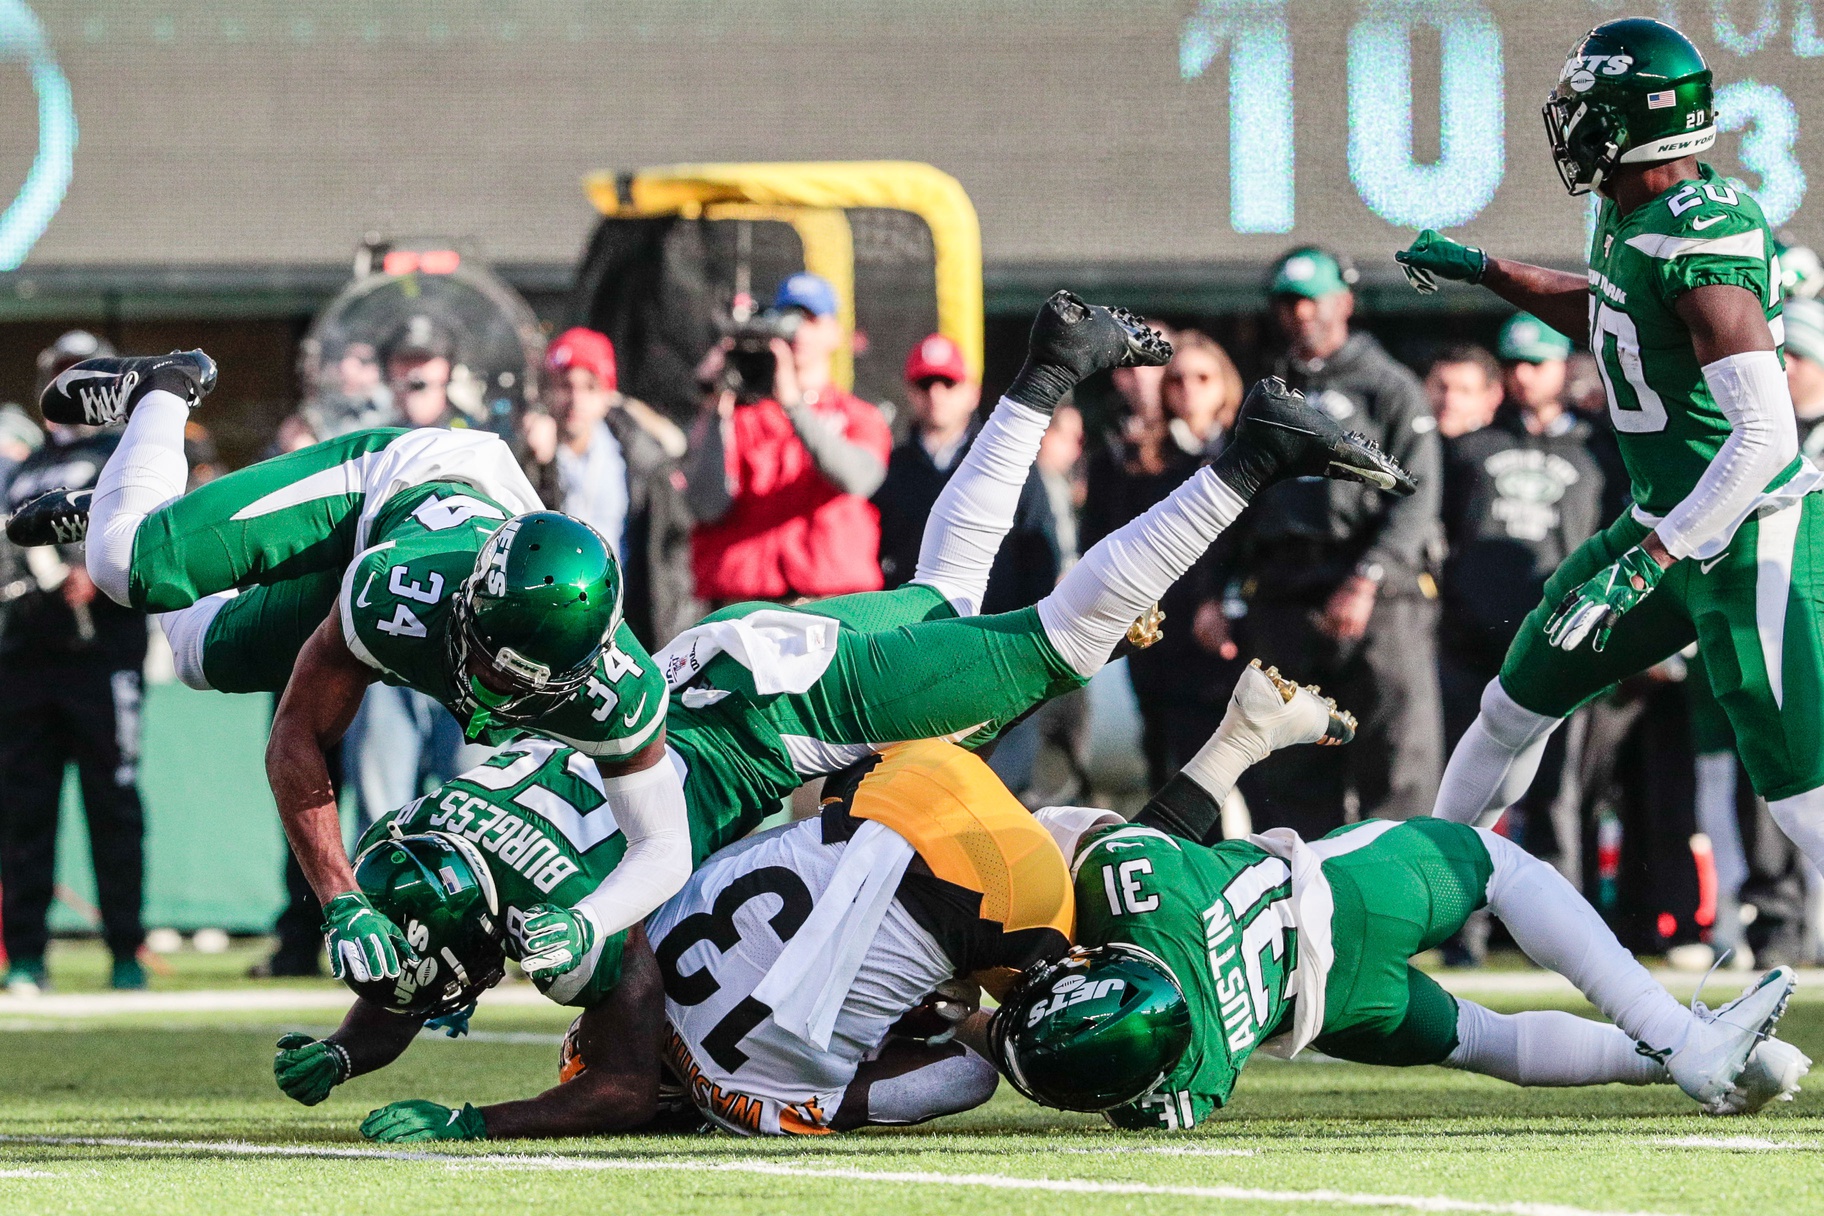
(1556, 297)
(368, 1040)
(617, 1091)
(326, 687)
(646, 797)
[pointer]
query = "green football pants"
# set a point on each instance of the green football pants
(276, 520)
(1403, 894)
(1756, 612)
(906, 667)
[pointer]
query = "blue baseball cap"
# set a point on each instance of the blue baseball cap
(810, 292)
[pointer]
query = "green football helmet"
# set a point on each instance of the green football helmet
(437, 888)
(1099, 1028)
(544, 600)
(1633, 91)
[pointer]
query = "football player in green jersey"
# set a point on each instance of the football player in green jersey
(794, 694)
(1191, 950)
(1721, 544)
(421, 558)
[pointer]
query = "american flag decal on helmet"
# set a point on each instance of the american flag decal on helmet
(1662, 101)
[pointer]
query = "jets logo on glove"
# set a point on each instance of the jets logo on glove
(553, 941)
(1598, 604)
(363, 944)
(1434, 256)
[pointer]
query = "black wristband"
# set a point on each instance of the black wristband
(1184, 809)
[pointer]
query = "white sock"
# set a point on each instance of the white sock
(147, 471)
(1716, 820)
(186, 630)
(1495, 761)
(1547, 1047)
(976, 508)
(1230, 752)
(1127, 571)
(1801, 817)
(1557, 928)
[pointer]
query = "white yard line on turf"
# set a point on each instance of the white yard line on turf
(25, 1174)
(1738, 1144)
(1548, 983)
(999, 1182)
(102, 1004)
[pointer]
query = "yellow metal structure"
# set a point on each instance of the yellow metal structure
(814, 198)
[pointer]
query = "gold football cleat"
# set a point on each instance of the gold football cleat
(1146, 631)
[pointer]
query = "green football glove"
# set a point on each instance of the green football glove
(307, 1069)
(555, 940)
(416, 1119)
(1599, 603)
(1433, 256)
(363, 944)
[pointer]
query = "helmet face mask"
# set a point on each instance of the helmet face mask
(1097, 1029)
(528, 625)
(438, 889)
(1633, 91)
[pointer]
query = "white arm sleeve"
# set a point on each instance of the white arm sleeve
(649, 807)
(1750, 389)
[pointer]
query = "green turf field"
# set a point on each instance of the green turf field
(176, 1112)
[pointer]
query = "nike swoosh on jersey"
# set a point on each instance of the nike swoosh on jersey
(361, 600)
(632, 716)
(1708, 220)
(1704, 567)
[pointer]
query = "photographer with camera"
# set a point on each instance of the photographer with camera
(782, 461)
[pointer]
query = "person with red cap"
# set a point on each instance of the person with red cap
(943, 396)
(609, 460)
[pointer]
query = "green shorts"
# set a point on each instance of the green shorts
(1756, 612)
(906, 667)
(1403, 894)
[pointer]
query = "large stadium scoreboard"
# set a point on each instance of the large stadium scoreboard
(276, 132)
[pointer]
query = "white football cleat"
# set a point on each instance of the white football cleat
(1716, 1051)
(1772, 1074)
(1267, 712)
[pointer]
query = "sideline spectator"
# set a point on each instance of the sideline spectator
(779, 485)
(70, 689)
(419, 358)
(1334, 578)
(1464, 385)
(1182, 682)
(1805, 372)
(1519, 495)
(611, 461)
(943, 399)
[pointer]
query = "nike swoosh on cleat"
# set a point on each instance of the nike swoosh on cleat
(1376, 476)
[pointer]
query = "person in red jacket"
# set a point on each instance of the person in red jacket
(779, 487)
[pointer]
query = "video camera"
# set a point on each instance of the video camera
(747, 372)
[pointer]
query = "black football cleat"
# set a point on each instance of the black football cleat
(1072, 340)
(102, 392)
(55, 517)
(1279, 435)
